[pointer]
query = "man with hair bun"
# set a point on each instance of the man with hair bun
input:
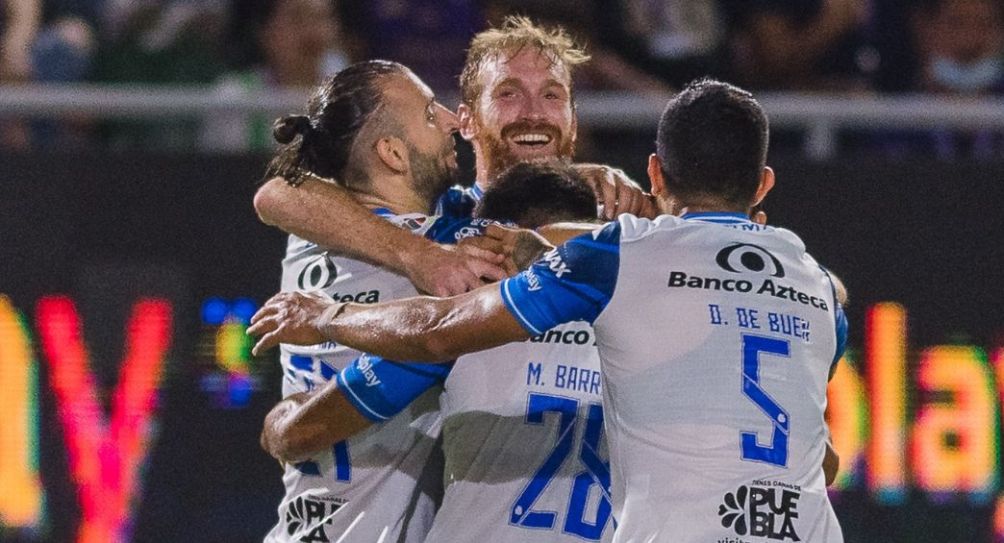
(517, 105)
(379, 130)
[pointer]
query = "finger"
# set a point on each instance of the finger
(480, 269)
(261, 327)
(627, 200)
(264, 311)
(485, 248)
(477, 253)
(759, 217)
(499, 232)
(266, 342)
(650, 209)
(607, 194)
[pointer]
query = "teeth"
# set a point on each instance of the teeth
(532, 138)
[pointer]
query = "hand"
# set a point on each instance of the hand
(448, 271)
(292, 317)
(488, 248)
(522, 247)
(617, 192)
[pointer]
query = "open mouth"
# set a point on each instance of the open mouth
(532, 139)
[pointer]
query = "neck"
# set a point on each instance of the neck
(389, 193)
(680, 207)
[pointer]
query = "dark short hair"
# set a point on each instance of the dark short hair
(320, 142)
(534, 194)
(712, 143)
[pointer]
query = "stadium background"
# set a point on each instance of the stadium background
(131, 258)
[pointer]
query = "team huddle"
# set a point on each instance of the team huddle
(660, 377)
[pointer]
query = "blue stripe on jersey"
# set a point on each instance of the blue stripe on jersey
(573, 282)
(380, 389)
(840, 317)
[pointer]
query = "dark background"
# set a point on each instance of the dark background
(107, 228)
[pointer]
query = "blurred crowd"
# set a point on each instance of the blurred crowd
(949, 47)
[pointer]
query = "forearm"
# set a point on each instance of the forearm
(329, 216)
(426, 329)
(305, 423)
(559, 233)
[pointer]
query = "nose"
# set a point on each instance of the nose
(532, 108)
(448, 120)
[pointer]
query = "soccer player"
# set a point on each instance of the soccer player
(378, 129)
(517, 105)
(522, 433)
(716, 337)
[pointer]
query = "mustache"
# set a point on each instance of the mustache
(520, 127)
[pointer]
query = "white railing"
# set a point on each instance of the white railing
(820, 116)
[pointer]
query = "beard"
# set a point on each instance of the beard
(432, 173)
(501, 154)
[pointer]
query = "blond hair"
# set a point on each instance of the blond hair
(515, 33)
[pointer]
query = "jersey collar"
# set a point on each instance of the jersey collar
(718, 217)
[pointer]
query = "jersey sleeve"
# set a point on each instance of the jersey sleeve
(458, 202)
(575, 281)
(380, 389)
(451, 230)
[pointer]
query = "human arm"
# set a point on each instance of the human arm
(326, 214)
(368, 390)
(22, 21)
(572, 282)
(831, 462)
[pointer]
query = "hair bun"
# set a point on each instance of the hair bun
(288, 127)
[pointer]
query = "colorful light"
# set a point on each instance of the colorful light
(105, 457)
(953, 445)
(21, 499)
(847, 416)
(885, 348)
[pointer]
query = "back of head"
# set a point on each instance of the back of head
(320, 142)
(534, 194)
(515, 34)
(712, 143)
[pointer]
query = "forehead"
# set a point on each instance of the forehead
(406, 89)
(529, 65)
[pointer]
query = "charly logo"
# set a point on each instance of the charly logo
(758, 511)
(320, 273)
(746, 257)
(302, 513)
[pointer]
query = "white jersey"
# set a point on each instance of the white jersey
(384, 483)
(716, 337)
(526, 458)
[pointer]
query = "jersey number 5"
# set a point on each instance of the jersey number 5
(777, 452)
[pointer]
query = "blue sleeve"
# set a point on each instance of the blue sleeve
(573, 282)
(451, 230)
(380, 389)
(841, 332)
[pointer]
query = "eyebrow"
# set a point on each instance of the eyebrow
(550, 82)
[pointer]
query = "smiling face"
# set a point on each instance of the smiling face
(523, 112)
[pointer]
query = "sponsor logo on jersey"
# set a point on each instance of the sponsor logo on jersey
(532, 281)
(364, 297)
(414, 223)
(749, 258)
(767, 287)
(307, 517)
(565, 337)
(556, 264)
(365, 366)
(766, 509)
(319, 273)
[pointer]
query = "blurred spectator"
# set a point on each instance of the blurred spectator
(41, 43)
(960, 45)
(160, 42)
(677, 41)
(800, 45)
(960, 53)
(296, 44)
(429, 36)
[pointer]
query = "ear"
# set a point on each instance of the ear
(655, 175)
(468, 128)
(766, 183)
(393, 153)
